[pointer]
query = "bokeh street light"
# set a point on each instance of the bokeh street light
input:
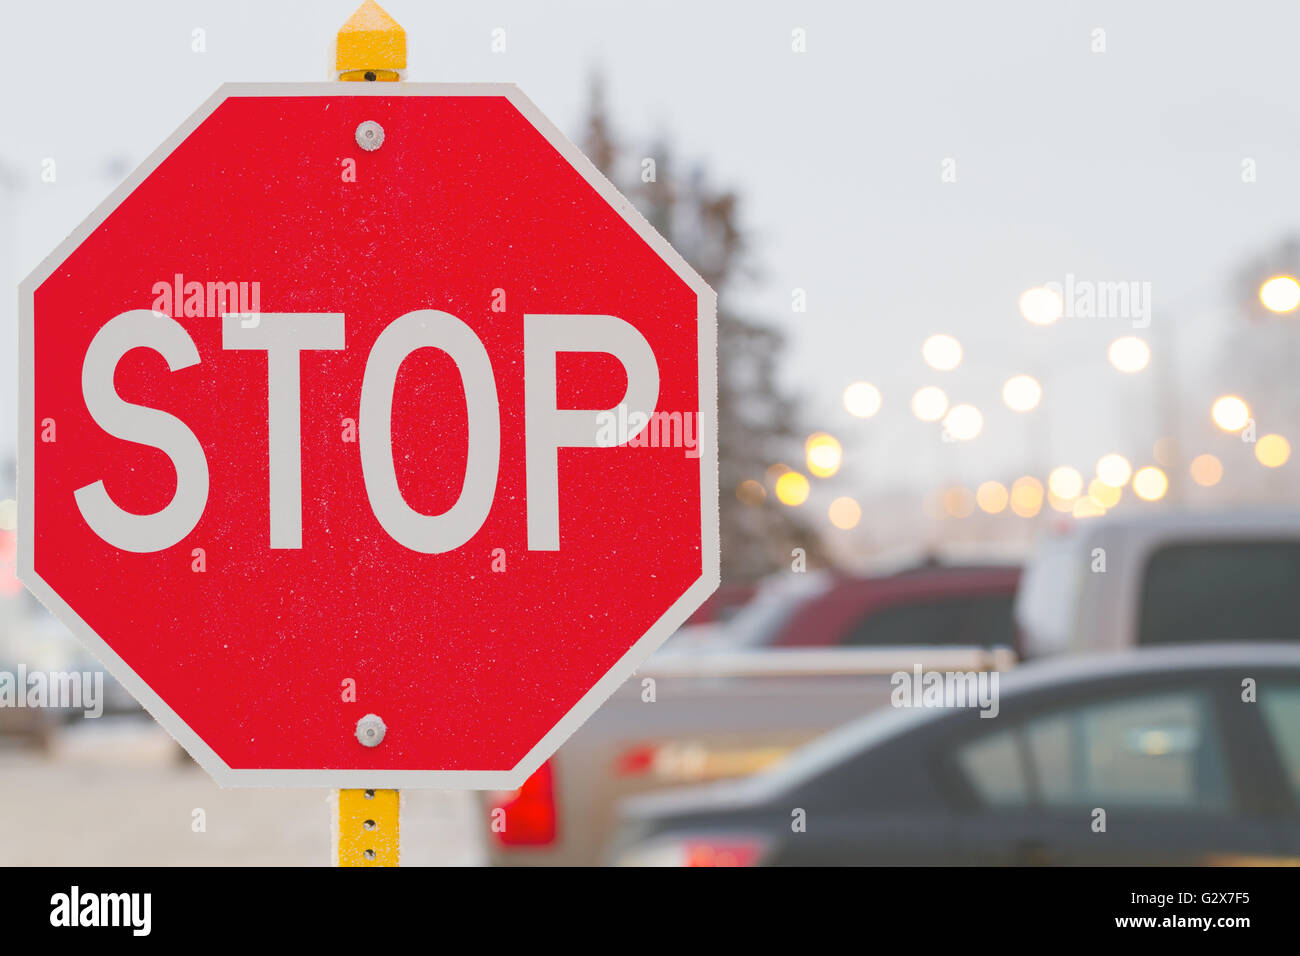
(862, 399)
(775, 471)
(929, 403)
(824, 454)
(963, 422)
(992, 497)
(1022, 393)
(1206, 470)
(1272, 451)
(1150, 483)
(941, 352)
(1280, 294)
(1065, 482)
(1129, 354)
(1026, 496)
(1106, 495)
(845, 513)
(750, 492)
(1087, 507)
(1114, 470)
(958, 502)
(792, 489)
(1230, 413)
(1041, 306)
(1057, 503)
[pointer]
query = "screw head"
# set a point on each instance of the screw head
(370, 136)
(370, 730)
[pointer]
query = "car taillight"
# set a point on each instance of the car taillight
(636, 760)
(686, 761)
(526, 817)
(728, 850)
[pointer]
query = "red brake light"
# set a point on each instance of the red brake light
(636, 760)
(723, 852)
(526, 817)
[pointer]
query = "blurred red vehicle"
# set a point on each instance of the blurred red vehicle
(931, 605)
(722, 604)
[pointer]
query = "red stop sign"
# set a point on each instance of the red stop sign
(368, 436)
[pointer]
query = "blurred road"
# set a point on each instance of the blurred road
(119, 791)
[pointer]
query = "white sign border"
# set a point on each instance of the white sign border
(674, 617)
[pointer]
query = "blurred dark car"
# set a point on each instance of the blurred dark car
(931, 605)
(1192, 753)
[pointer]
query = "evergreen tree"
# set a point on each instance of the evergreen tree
(757, 422)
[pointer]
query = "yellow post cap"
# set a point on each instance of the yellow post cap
(370, 40)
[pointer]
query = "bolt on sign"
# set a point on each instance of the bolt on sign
(368, 436)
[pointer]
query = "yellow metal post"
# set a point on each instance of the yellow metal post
(367, 831)
(371, 46)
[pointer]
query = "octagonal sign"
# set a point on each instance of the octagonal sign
(368, 436)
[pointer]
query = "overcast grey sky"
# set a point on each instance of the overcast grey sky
(1122, 165)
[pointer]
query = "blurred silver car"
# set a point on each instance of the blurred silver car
(1171, 577)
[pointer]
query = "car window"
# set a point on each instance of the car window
(1221, 591)
(1281, 708)
(978, 620)
(993, 764)
(1161, 751)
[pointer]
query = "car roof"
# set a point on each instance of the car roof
(956, 578)
(1190, 522)
(885, 723)
(1170, 658)
(936, 570)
